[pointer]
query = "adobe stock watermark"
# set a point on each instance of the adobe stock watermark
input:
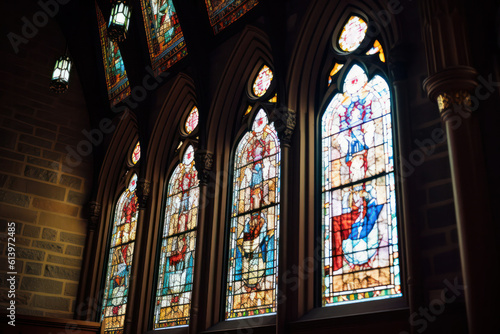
(40, 19)
(426, 147)
(437, 306)
(95, 137)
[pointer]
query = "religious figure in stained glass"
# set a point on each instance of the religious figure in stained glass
(224, 12)
(114, 68)
(360, 239)
(120, 260)
(165, 38)
(254, 227)
(175, 279)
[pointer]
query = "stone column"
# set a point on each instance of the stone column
(451, 83)
(284, 121)
(203, 164)
(134, 312)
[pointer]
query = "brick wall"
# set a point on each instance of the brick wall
(38, 190)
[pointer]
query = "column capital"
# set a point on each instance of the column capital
(94, 210)
(284, 120)
(143, 192)
(203, 161)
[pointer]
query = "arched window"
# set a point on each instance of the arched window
(121, 252)
(254, 222)
(359, 227)
(178, 243)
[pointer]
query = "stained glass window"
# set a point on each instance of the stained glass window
(359, 224)
(254, 223)
(336, 68)
(192, 120)
(121, 251)
(116, 76)
(136, 153)
(353, 34)
(263, 81)
(165, 38)
(224, 12)
(377, 48)
(175, 278)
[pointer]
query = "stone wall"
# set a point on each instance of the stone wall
(38, 191)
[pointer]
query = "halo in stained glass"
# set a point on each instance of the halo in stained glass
(254, 223)
(120, 258)
(136, 153)
(262, 81)
(192, 120)
(359, 221)
(175, 277)
(352, 34)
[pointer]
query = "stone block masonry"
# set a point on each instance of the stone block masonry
(37, 190)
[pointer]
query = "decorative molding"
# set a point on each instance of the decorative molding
(94, 214)
(203, 161)
(143, 191)
(447, 101)
(284, 121)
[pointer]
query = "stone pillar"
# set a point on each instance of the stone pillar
(203, 164)
(284, 121)
(451, 83)
(134, 312)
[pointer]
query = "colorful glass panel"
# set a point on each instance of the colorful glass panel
(136, 154)
(164, 34)
(119, 265)
(175, 278)
(116, 76)
(263, 81)
(334, 71)
(254, 226)
(377, 48)
(224, 12)
(359, 223)
(192, 120)
(353, 34)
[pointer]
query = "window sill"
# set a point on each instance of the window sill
(260, 324)
(169, 330)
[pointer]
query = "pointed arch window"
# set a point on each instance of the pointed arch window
(254, 222)
(120, 256)
(164, 34)
(116, 77)
(359, 224)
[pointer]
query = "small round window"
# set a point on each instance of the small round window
(136, 153)
(263, 81)
(353, 34)
(192, 120)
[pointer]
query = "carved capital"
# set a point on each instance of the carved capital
(94, 214)
(143, 191)
(449, 103)
(203, 161)
(284, 122)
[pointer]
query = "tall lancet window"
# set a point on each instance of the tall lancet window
(121, 251)
(361, 260)
(178, 243)
(254, 222)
